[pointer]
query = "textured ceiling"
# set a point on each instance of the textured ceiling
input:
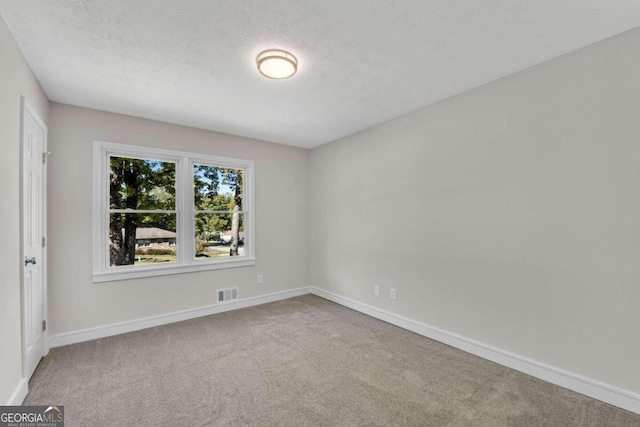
(362, 62)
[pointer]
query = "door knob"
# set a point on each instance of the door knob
(31, 260)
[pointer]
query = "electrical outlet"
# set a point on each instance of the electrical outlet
(393, 294)
(376, 290)
(260, 280)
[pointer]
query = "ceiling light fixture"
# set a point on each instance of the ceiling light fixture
(277, 64)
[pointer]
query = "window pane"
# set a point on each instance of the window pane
(217, 188)
(219, 235)
(141, 239)
(142, 184)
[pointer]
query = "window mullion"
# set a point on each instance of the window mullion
(187, 246)
(142, 211)
(195, 212)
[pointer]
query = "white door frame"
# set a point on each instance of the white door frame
(27, 108)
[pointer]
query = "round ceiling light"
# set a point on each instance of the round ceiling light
(277, 64)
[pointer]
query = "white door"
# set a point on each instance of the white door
(34, 144)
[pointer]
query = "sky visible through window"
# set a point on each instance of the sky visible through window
(224, 189)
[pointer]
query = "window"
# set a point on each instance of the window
(160, 212)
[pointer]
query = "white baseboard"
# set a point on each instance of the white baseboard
(606, 393)
(20, 393)
(67, 338)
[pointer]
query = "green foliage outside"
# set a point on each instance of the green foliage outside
(201, 246)
(137, 184)
(155, 251)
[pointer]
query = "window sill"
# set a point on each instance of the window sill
(125, 273)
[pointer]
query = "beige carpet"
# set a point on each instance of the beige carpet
(299, 362)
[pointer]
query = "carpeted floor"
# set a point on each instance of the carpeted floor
(298, 362)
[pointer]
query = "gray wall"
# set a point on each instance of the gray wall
(16, 79)
(76, 303)
(509, 214)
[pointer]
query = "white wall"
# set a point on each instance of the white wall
(509, 214)
(77, 303)
(16, 79)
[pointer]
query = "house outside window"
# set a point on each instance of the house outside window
(160, 212)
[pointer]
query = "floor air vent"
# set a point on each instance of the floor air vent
(228, 294)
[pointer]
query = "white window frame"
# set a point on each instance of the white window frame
(185, 221)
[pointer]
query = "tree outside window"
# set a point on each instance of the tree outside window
(169, 211)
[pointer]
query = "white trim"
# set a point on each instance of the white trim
(45, 235)
(25, 107)
(163, 270)
(186, 260)
(67, 338)
(19, 393)
(615, 396)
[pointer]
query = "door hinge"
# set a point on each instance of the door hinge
(44, 325)
(44, 156)
(44, 241)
